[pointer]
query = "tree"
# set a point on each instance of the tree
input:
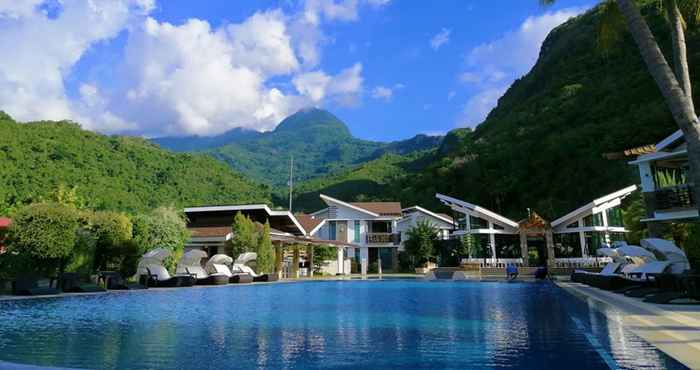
(677, 95)
(323, 253)
(266, 251)
(245, 235)
(421, 242)
(111, 231)
(46, 232)
(164, 227)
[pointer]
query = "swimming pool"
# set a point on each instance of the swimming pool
(329, 324)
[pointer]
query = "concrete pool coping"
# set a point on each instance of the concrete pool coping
(673, 329)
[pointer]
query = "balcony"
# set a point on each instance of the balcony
(674, 197)
(383, 238)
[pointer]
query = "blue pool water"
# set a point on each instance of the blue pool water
(335, 324)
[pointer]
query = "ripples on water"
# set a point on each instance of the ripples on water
(344, 324)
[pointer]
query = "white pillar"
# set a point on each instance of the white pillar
(584, 247)
(605, 224)
(364, 259)
(492, 241)
(341, 261)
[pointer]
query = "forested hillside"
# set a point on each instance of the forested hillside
(544, 145)
(116, 173)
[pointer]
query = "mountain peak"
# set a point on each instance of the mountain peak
(313, 118)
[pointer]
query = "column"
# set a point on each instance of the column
(549, 242)
(279, 260)
(295, 263)
(364, 260)
(605, 225)
(341, 262)
(523, 248)
(310, 257)
(492, 242)
(584, 247)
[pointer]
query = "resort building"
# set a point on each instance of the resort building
(571, 239)
(371, 226)
(663, 173)
(210, 227)
(4, 226)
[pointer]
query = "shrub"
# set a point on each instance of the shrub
(323, 253)
(245, 235)
(164, 227)
(47, 232)
(111, 230)
(266, 252)
(421, 242)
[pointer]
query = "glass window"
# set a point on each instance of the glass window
(508, 246)
(593, 220)
(615, 217)
(573, 225)
(567, 245)
(357, 231)
(331, 230)
(594, 240)
(477, 245)
(478, 223)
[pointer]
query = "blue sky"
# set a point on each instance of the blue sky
(389, 68)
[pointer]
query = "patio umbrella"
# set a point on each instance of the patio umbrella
(635, 251)
(669, 252)
(158, 254)
(219, 259)
(246, 257)
(193, 257)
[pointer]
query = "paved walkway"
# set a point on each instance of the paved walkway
(673, 329)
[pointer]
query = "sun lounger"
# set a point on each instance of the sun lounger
(236, 278)
(30, 286)
(203, 278)
(114, 281)
(581, 276)
(677, 289)
(158, 276)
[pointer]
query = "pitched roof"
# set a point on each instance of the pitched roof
(210, 232)
(380, 208)
(307, 222)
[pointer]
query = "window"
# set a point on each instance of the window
(331, 230)
(593, 220)
(567, 245)
(615, 217)
(478, 223)
(508, 246)
(594, 240)
(357, 231)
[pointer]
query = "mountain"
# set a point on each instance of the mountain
(110, 172)
(546, 145)
(197, 143)
(320, 143)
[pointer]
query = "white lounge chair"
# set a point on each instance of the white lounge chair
(190, 264)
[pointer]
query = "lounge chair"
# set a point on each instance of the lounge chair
(70, 282)
(114, 281)
(645, 276)
(235, 278)
(581, 276)
(676, 289)
(190, 264)
(28, 285)
(239, 266)
(158, 276)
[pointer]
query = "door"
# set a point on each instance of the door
(342, 231)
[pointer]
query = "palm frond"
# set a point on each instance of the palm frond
(690, 10)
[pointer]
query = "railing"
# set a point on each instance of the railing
(383, 238)
(679, 196)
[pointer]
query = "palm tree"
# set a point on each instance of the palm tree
(678, 95)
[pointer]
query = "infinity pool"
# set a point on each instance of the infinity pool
(333, 324)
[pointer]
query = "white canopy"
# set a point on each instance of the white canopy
(635, 251)
(246, 257)
(607, 252)
(153, 257)
(219, 259)
(191, 262)
(669, 251)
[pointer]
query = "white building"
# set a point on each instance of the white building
(416, 214)
(372, 226)
(573, 238)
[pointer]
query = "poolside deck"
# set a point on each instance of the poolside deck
(673, 329)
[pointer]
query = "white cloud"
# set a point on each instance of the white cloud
(382, 92)
(344, 88)
(44, 49)
(386, 93)
(493, 66)
(443, 37)
(378, 3)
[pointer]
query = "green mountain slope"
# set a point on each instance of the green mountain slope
(121, 173)
(544, 146)
(320, 143)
